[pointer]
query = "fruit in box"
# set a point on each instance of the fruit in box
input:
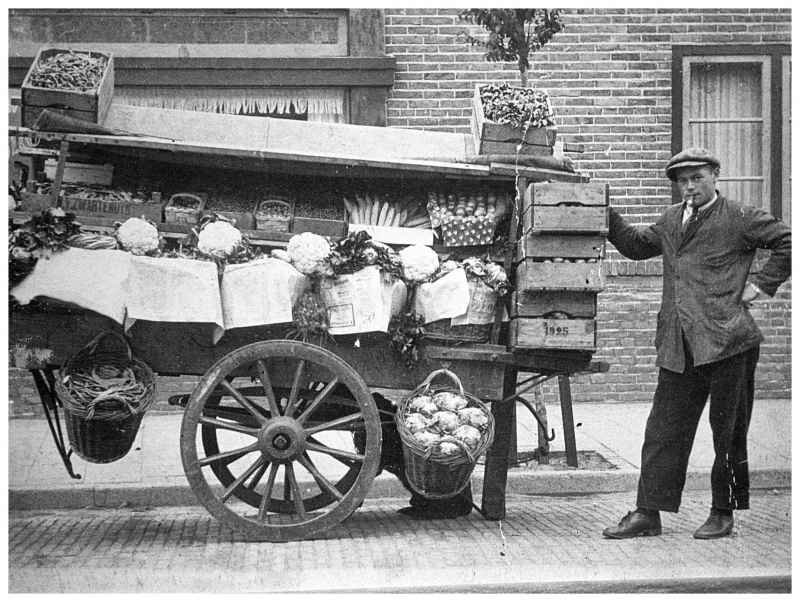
(466, 218)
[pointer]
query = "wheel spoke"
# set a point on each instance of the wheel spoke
(295, 392)
(241, 479)
(264, 506)
(257, 477)
(296, 495)
(228, 456)
(344, 420)
(229, 426)
(266, 382)
(323, 483)
(321, 396)
(244, 402)
(332, 451)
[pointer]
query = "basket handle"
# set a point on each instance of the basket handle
(187, 195)
(92, 345)
(427, 382)
(266, 202)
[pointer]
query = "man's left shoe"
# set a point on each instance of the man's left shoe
(718, 524)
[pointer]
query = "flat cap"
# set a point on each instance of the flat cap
(690, 157)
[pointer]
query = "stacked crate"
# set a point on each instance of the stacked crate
(559, 269)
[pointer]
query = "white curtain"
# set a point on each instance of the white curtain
(322, 104)
(726, 117)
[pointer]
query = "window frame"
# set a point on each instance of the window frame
(770, 55)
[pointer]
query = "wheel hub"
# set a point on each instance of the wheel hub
(282, 439)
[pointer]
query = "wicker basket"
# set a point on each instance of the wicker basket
(103, 429)
(429, 472)
(175, 213)
(274, 215)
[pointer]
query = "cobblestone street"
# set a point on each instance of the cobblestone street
(546, 544)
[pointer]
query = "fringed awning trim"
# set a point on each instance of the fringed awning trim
(236, 100)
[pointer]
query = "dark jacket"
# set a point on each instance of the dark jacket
(705, 272)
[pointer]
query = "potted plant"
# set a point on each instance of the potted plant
(508, 119)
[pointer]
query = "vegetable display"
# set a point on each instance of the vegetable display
(69, 71)
(517, 107)
(138, 236)
(375, 210)
(309, 253)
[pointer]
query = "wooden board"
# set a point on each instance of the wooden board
(559, 193)
(537, 304)
(115, 210)
(574, 246)
(539, 275)
(565, 218)
(544, 333)
(317, 225)
(91, 106)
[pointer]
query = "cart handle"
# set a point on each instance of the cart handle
(427, 382)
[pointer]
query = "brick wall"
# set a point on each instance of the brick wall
(609, 77)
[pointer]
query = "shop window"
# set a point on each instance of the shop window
(733, 105)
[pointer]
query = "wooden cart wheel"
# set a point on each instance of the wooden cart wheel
(283, 455)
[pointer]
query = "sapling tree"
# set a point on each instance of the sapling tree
(514, 34)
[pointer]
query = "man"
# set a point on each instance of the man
(707, 342)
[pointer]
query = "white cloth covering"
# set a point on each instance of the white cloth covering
(93, 279)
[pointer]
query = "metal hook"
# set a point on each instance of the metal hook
(532, 410)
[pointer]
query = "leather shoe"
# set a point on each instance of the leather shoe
(635, 524)
(717, 525)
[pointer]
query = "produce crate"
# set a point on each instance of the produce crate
(553, 333)
(274, 215)
(535, 275)
(559, 207)
(102, 208)
(495, 138)
(184, 208)
(90, 106)
(538, 304)
(458, 231)
(566, 246)
(323, 226)
(83, 173)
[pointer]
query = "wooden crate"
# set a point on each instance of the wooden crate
(116, 209)
(538, 304)
(565, 207)
(569, 276)
(568, 246)
(174, 213)
(90, 106)
(495, 138)
(548, 333)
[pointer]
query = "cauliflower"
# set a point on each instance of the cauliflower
(468, 435)
(422, 404)
(473, 417)
(452, 402)
(280, 254)
(419, 262)
(426, 438)
(138, 236)
(448, 448)
(415, 422)
(309, 253)
(219, 238)
(447, 421)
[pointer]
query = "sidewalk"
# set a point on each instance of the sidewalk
(152, 475)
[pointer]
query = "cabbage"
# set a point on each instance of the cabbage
(474, 417)
(447, 421)
(468, 435)
(423, 404)
(415, 422)
(426, 438)
(451, 402)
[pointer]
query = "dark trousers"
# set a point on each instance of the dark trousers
(677, 405)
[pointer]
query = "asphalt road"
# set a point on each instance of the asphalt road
(546, 544)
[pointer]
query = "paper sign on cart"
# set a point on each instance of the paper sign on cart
(362, 302)
(393, 235)
(482, 303)
(174, 290)
(260, 292)
(446, 298)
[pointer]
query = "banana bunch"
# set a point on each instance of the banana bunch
(376, 211)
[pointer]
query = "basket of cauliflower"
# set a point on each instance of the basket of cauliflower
(444, 431)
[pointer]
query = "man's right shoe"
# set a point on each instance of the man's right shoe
(635, 524)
